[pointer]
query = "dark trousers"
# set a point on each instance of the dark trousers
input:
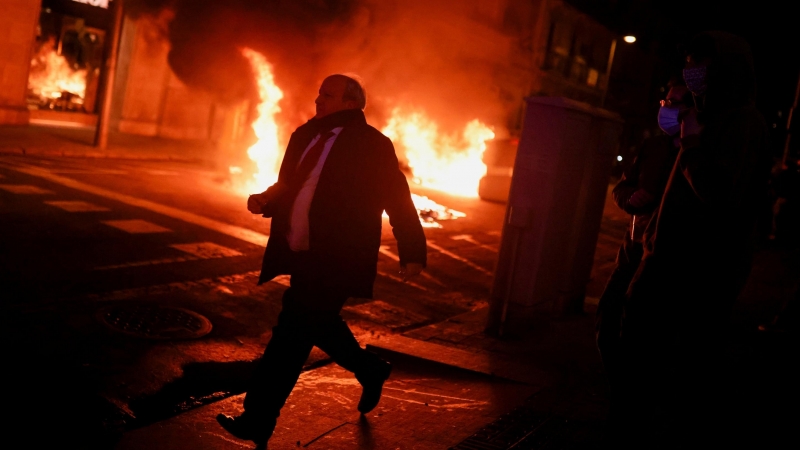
(310, 317)
(673, 387)
(609, 310)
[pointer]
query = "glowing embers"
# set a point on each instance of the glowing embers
(266, 152)
(448, 163)
(430, 212)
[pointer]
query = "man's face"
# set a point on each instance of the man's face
(330, 98)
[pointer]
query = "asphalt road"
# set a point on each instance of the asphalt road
(109, 268)
(99, 255)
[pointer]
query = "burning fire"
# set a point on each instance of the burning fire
(51, 75)
(449, 163)
(452, 164)
(430, 212)
(267, 151)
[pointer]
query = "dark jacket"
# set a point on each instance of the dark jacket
(649, 171)
(360, 179)
(705, 231)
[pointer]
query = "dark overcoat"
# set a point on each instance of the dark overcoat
(700, 254)
(359, 180)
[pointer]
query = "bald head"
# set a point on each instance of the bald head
(339, 92)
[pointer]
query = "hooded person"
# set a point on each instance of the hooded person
(698, 258)
(638, 193)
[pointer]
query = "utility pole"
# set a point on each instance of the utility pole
(101, 131)
(608, 71)
(789, 123)
(628, 39)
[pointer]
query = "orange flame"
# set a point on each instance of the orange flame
(51, 75)
(267, 151)
(447, 163)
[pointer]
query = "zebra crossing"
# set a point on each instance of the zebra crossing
(452, 257)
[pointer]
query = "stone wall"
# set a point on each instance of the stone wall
(17, 33)
(153, 101)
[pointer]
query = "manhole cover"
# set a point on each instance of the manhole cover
(154, 322)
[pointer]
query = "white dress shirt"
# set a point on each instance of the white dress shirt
(298, 220)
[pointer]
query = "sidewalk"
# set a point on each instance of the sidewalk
(78, 142)
(454, 387)
(438, 395)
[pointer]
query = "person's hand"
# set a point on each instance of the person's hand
(640, 198)
(256, 201)
(689, 125)
(410, 270)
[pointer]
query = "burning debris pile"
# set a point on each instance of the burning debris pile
(53, 83)
(430, 212)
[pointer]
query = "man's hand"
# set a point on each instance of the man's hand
(410, 270)
(689, 125)
(256, 201)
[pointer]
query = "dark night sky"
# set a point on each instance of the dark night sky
(769, 26)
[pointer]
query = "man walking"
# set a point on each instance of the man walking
(337, 177)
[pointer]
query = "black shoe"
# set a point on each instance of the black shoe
(246, 429)
(371, 386)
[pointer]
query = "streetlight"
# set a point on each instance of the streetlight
(629, 39)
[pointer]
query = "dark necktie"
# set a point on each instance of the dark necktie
(309, 162)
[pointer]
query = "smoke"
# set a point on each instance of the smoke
(439, 57)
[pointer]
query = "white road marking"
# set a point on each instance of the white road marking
(24, 189)
(151, 262)
(400, 280)
(197, 250)
(136, 226)
(90, 171)
(206, 250)
(167, 173)
(283, 280)
(76, 206)
(159, 289)
(384, 249)
(386, 314)
(471, 240)
(445, 252)
(211, 284)
(244, 234)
